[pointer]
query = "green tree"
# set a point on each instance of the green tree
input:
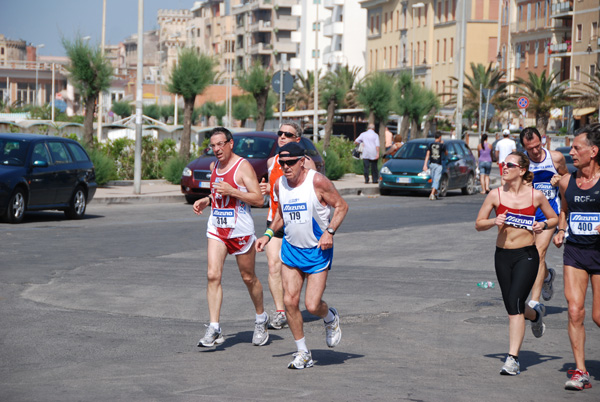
(482, 77)
(90, 72)
(121, 108)
(544, 94)
(242, 108)
(302, 94)
(220, 111)
(207, 110)
(375, 94)
(402, 101)
(336, 85)
(414, 102)
(257, 82)
(193, 73)
(152, 111)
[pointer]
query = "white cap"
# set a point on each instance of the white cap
(506, 131)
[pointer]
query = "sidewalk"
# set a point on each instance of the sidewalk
(161, 191)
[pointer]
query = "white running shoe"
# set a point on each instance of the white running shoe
(278, 321)
(261, 334)
(211, 337)
(301, 360)
(510, 367)
(538, 327)
(333, 330)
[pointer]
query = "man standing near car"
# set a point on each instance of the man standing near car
(370, 154)
(230, 230)
(435, 150)
(580, 203)
(305, 202)
(548, 167)
(503, 148)
(290, 131)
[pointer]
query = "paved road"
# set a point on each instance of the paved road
(111, 308)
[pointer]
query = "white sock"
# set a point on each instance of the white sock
(533, 303)
(330, 316)
(301, 345)
(261, 318)
(216, 326)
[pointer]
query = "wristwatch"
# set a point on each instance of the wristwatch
(331, 231)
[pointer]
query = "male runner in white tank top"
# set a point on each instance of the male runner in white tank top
(305, 201)
(547, 167)
(230, 230)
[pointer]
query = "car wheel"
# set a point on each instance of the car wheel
(469, 189)
(443, 190)
(77, 205)
(191, 199)
(16, 207)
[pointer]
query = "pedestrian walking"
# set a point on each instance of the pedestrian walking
(370, 153)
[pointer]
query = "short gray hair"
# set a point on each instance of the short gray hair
(371, 126)
(296, 126)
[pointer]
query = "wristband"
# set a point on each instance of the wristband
(545, 225)
(561, 230)
(269, 233)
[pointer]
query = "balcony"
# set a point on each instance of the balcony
(286, 47)
(286, 23)
(330, 4)
(261, 48)
(333, 28)
(560, 49)
(561, 10)
(260, 26)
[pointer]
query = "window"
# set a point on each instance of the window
(446, 7)
(528, 16)
(397, 20)
(437, 87)
(594, 33)
(439, 12)
(377, 27)
(391, 21)
(579, 33)
(424, 51)
(419, 17)
(396, 59)
(384, 57)
(453, 10)
(390, 57)
(78, 152)
(437, 51)
(59, 152)
(546, 56)
(425, 15)
(372, 24)
(443, 90)
(385, 22)
(527, 55)
(535, 57)
(370, 60)
(578, 73)
(518, 56)
(376, 55)
(40, 153)
(451, 48)
(592, 70)
(444, 54)
(418, 54)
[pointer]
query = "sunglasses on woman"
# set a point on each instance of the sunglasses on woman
(286, 133)
(510, 165)
(289, 162)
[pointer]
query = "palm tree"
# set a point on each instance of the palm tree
(482, 77)
(335, 88)
(544, 94)
(90, 72)
(189, 78)
(257, 81)
(302, 94)
(402, 101)
(414, 102)
(375, 94)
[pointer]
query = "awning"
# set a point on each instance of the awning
(577, 113)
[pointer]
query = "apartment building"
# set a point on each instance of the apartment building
(347, 33)
(172, 34)
(263, 30)
(310, 33)
(423, 38)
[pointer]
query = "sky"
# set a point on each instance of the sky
(47, 21)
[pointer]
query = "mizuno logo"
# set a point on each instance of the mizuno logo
(294, 207)
(584, 218)
(223, 213)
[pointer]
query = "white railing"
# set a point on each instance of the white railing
(561, 8)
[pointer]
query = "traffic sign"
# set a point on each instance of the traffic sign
(288, 82)
(523, 102)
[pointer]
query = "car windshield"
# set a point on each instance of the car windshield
(412, 150)
(250, 147)
(12, 152)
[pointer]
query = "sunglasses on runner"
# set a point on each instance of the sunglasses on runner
(510, 165)
(286, 133)
(289, 162)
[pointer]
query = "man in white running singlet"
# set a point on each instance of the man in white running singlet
(230, 230)
(305, 201)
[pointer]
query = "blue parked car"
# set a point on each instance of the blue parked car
(404, 171)
(39, 172)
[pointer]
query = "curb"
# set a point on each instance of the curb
(140, 199)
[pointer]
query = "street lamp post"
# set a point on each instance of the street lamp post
(37, 89)
(316, 76)
(100, 97)
(414, 6)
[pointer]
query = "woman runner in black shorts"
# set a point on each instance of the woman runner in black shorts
(516, 258)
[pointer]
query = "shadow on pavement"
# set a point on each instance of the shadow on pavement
(527, 358)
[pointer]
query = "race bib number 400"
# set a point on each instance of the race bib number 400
(584, 223)
(223, 217)
(519, 221)
(295, 213)
(547, 189)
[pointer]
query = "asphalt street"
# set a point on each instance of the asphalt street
(111, 308)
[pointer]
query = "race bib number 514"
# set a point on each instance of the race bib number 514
(583, 223)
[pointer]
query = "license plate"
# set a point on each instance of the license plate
(204, 184)
(405, 180)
